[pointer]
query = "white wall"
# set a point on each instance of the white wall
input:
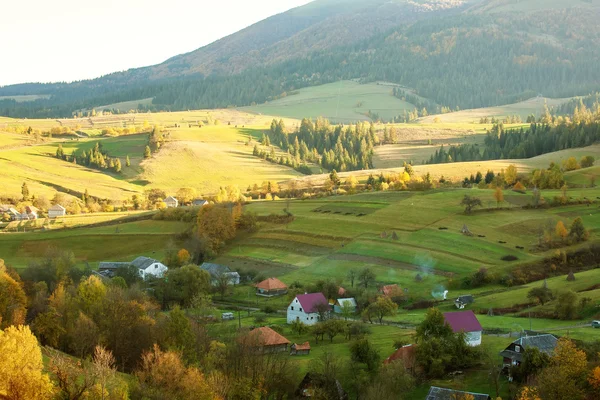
(156, 269)
(295, 311)
(473, 338)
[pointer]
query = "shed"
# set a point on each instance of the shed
(466, 322)
(271, 287)
(462, 301)
(339, 304)
(300, 349)
(267, 340)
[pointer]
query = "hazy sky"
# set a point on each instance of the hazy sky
(66, 40)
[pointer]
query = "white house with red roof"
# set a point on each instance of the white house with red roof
(305, 308)
(465, 321)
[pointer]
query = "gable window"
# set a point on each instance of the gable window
(517, 349)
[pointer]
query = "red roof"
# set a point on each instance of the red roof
(310, 301)
(266, 336)
(463, 321)
(303, 346)
(271, 284)
(406, 353)
(389, 289)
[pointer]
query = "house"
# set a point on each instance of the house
(266, 340)
(313, 381)
(339, 304)
(218, 271)
(57, 211)
(171, 202)
(438, 393)
(30, 213)
(465, 321)
(513, 354)
(9, 210)
(408, 355)
(199, 203)
(463, 301)
(146, 267)
(306, 307)
(271, 287)
(390, 290)
(150, 267)
(300, 349)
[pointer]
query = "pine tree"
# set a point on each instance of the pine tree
(147, 152)
(25, 191)
(127, 161)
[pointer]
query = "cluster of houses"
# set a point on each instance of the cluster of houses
(31, 213)
(146, 266)
(172, 202)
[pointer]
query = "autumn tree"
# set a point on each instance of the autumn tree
(163, 375)
(13, 301)
(181, 285)
(560, 230)
(510, 175)
(499, 196)
(216, 226)
(21, 367)
(587, 161)
(127, 161)
(147, 152)
(566, 375)
(25, 191)
(186, 195)
(183, 257)
(382, 307)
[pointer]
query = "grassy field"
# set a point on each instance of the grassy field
(523, 109)
(106, 243)
(344, 101)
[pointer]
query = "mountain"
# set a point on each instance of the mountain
(458, 53)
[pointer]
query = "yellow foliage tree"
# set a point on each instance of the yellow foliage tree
(510, 175)
(183, 257)
(561, 230)
(351, 182)
(594, 378)
(528, 393)
(13, 301)
(499, 196)
(21, 366)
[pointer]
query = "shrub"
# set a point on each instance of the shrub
(268, 309)
(510, 258)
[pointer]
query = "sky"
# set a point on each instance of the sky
(68, 40)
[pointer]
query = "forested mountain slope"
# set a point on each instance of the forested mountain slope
(457, 53)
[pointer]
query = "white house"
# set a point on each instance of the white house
(218, 271)
(150, 267)
(146, 267)
(171, 202)
(57, 211)
(305, 308)
(466, 322)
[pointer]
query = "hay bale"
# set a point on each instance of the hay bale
(571, 276)
(418, 278)
(394, 235)
(384, 235)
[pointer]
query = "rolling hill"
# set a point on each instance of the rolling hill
(457, 53)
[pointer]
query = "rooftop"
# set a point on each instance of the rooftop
(143, 262)
(438, 393)
(302, 346)
(271, 284)
(57, 207)
(405, 353)
(215, 269)
(311, 301)
(266, 336)
(463, 321)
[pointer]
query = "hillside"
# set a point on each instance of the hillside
(465, 54)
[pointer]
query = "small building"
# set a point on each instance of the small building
(313, 382)
(271, 287)
(465, 321)
(306, 307)
(438, 393)
(171, 202)
(9, 210)
(199, 203)
(301, 349)
(266, 340)
(146, 266)
(57, 211)
(31, 213)
(513, 354)
(227, 316)
(339, 304)
(150, 267)
(390, 290)
(408, 355)
(462, 301)
(217, 272)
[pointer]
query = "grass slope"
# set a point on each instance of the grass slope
(344, 101)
